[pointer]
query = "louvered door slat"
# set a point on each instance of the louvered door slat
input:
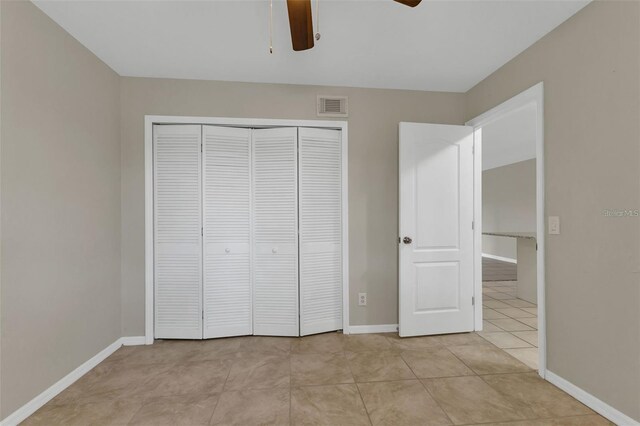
(177, 237)
(275, 239)
(227, 231)
(320, 197)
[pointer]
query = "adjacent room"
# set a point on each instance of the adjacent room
(322, 212)
(509, 233)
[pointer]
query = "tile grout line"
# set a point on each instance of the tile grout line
(509, 333)
(290, 383)
(462, 361)
(427, 389)
(366, 410)
(436, 401)
(512, 399)
(506, 301)
(222, 391)
(363, 404)
(478, 374)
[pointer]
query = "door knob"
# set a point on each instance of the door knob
(407, 240)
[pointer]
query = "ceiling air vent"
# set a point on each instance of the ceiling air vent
(332, 106)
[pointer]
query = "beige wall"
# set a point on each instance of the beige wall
(590, 66)
(508, 205)
(60, 204)
(373, 171)
(63, 194)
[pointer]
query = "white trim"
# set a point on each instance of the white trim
(502, 258)
(148, 230)
(150, 120)
(133, 340)
(533, 95)
(591, 401)
(345, 230)
(366, 329)
(519, 101)
(477, 229)
(34, 405)
(254, 123)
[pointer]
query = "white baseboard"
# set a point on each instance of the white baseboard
(504, 259)
(591, 401)
(381, 328)
(133, 340)
(32, 406)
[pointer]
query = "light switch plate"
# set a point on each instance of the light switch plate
(554, 225)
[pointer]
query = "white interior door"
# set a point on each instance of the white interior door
(177, 231)
(436, 219)
(275, 232)
(320, 215)
(227, 291)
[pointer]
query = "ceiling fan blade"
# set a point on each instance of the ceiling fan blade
(410, 3)
(301, 24)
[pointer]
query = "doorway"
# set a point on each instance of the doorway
(509, 236)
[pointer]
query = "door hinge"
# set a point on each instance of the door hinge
(201, 150)
(202, 232)
(473, 149)
(473, 300)
(473, 225)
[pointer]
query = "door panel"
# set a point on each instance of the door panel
(227, 292)
(177, 232)
(437, 202)
(436, 215)
(320, 192)
(275, 232)
(436, 286)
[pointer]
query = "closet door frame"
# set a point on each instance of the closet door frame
(150, 120)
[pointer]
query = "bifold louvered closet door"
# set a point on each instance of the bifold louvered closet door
(247, 231)
(320, 189)
(177, 232)
(275, 232)
(227, 231)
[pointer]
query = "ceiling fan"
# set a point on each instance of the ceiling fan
(301, 24)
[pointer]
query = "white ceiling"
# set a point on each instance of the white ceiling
(510, 139)
(440, 45)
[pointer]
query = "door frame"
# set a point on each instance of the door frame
(150, 120)
(532, 96)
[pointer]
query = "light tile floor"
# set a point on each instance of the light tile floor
(510, 323)
(327, 379)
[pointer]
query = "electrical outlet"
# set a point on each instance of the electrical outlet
(362, 299)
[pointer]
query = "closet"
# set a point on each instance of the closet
(247, 231)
